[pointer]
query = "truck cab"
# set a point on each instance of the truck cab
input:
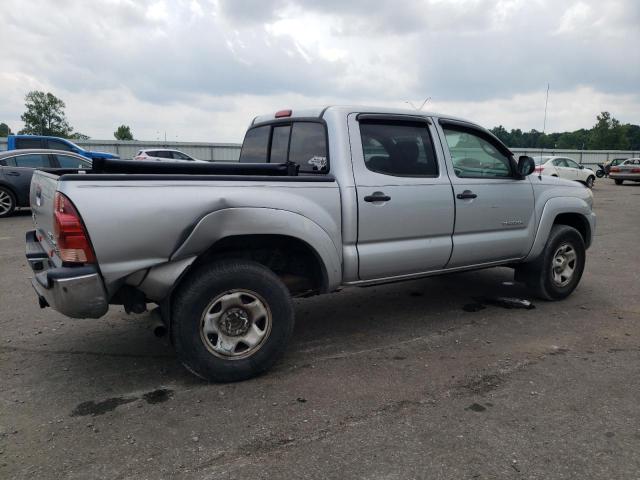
(20, 142)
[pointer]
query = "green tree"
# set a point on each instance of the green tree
(5, 131)
(607, 133)
(45, 115)
(123, 133)
(79, 136)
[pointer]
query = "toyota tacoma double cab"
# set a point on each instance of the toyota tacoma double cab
(321, 199)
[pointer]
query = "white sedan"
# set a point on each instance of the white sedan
(564, 168)
(164, 155)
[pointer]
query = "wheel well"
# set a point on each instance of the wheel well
(576, 221)
(293, 260)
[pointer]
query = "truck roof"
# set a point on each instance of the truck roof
(319, 112)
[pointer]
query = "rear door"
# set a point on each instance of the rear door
(20, 169)
(405, 204)
(494, 208)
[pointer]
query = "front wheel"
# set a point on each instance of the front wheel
(7, 202)
(558, 270)
(599, 174)
(231, 320)
(590, 181)
(618, 182)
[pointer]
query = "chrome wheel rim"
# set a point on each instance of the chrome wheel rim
(235, 324)
(564, 265)
(6, 202)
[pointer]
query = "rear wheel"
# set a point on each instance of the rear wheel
(618, 182)
(231, 320)
(590, 181)
(558, 270)
(7, 202)
(600, 174)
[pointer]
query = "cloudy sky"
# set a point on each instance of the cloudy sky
(199, 70)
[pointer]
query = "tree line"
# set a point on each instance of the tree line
(44, 115)
(607, 134)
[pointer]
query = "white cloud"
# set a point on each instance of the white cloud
(201, 69)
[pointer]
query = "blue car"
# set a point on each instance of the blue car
(20, 142)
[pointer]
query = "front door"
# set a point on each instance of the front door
(495, 217)
(20, 170)
(405, 205)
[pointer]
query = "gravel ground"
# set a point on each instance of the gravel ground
(390, 382)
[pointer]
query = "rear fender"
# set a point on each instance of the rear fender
(264, 221)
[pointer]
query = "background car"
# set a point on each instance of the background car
(21, 142)
(628, 170)
(564, 167)
(17, 167)
(164, 155)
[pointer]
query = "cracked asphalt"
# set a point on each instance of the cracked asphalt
(389, 382)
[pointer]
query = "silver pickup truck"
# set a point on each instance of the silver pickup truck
(321, 199)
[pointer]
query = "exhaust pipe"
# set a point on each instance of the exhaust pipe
(158, 327)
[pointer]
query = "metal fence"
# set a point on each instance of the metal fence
(230, 152)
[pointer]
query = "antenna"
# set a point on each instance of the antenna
(544, 127)
(421, 106)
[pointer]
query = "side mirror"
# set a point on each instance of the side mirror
(581, 167)
(526, 166)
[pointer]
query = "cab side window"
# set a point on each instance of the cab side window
(59, 145)
(475, 157)
(401, 149)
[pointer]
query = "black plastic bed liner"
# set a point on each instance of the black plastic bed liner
(102, 165)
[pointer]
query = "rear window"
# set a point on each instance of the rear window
(309, 147)
(67, 161)
(255, 145)
(59, 145)
(304, 143)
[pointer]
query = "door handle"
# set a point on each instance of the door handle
(377, 197)
(466, 194)
(13, 174)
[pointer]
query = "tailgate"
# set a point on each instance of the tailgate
(41, 199)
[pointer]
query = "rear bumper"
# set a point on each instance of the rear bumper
(77, 292)
(625, 176)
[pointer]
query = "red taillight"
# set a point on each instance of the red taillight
(614, 169)
(72, 241)
(283, 113)
(538, 169)
(635, 170)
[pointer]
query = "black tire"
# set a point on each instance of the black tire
(618, 182)
(599, 174)
(193, 299)
(539, 274)
(590, 181)
(7, 202)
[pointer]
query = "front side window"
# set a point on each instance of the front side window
(67, 161)
(59, 145)
(254, 147)
(475, 157)
(398, 149)
(181, 156)
(32, 161)
(571, 163)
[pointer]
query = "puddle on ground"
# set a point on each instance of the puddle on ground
(100, 408)
(504, 302)
(158, 396)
